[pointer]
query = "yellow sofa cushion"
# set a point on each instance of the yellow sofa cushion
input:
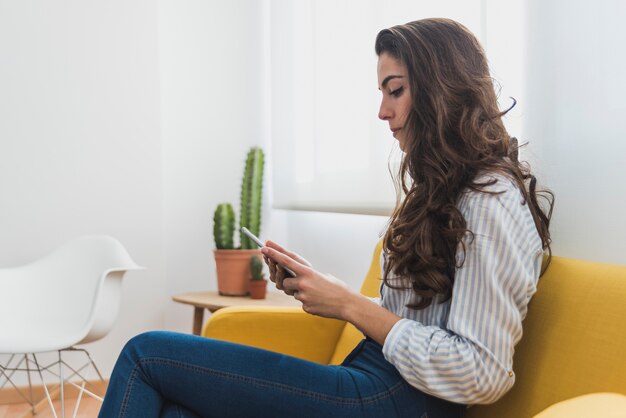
(285, 330)
(574, 340)
(595, 405)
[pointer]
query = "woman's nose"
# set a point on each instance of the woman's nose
(384, 113)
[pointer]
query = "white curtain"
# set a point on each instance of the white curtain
(329, 150)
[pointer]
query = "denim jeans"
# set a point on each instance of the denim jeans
(166, 374)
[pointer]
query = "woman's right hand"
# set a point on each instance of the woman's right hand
(277, 273)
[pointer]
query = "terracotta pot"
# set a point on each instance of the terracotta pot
(258, 289)
(233, 271)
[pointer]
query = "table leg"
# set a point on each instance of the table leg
(198, 318)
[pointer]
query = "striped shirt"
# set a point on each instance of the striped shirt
(461, 350)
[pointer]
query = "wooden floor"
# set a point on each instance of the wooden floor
(88, 408)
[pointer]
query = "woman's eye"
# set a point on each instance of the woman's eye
(397, 92)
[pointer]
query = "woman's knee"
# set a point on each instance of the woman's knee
(146, 343)
(143, 339)
(149, 337)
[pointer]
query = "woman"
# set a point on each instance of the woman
(462, 256)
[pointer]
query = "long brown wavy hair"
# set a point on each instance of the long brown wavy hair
(454, 133)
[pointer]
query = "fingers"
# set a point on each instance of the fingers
(276, 260)
(280, 277)
(271, 265)
(279, 248)
(275, 246)
(291, 286)
(277, 274)
(284, 260)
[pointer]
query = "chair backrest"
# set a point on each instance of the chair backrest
(68, 297)
(574, 340)
(351, 336)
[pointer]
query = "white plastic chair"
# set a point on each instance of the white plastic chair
(67, 298)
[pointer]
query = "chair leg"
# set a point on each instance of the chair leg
(75, 372)
(93, 363)
(45, 387)
(30, 384)
(6, 368)
(61, 385)
(64, 377)
(7, 371)
(90, 361)
(80, 396)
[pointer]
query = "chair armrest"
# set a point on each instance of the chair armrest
(607, 405)
(287, 330)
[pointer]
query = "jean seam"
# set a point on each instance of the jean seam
(267, 383)
(129, 386)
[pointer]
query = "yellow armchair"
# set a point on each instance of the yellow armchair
(574, 340)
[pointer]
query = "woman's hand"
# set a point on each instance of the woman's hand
(277, 273)
(320, 294)
(325, 295)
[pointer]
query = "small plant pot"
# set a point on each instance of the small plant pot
(258, 289)
(233, 271)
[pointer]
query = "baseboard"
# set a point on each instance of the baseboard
(11, 395)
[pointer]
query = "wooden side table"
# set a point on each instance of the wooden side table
(213, 301)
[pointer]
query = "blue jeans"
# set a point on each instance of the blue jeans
(165, 374)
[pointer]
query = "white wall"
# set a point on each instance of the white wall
(80, 142)
(575, 121)
(215, 102)
(215, 105)
(210, 57)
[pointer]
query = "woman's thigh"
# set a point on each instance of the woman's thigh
(213, 378)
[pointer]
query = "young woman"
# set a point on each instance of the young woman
(462, 256)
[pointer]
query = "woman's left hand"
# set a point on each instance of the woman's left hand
(320, 294)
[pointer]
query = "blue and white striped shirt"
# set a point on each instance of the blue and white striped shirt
(462, 350)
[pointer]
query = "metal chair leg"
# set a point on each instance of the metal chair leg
(61, 385)
(64, 376)
(45, 387)
(80, 396)
(7, 371)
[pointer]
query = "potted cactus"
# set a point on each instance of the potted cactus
(258, 284)
(233, 263)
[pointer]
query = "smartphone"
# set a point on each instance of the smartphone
(257, 241)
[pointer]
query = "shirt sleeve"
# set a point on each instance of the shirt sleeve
(377, 300)
(470, 360)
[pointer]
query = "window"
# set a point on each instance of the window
(329, 150)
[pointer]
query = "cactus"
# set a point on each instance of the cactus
(224, 226)
(251, 191)
(256, 268)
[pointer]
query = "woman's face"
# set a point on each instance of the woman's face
(395, 105)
